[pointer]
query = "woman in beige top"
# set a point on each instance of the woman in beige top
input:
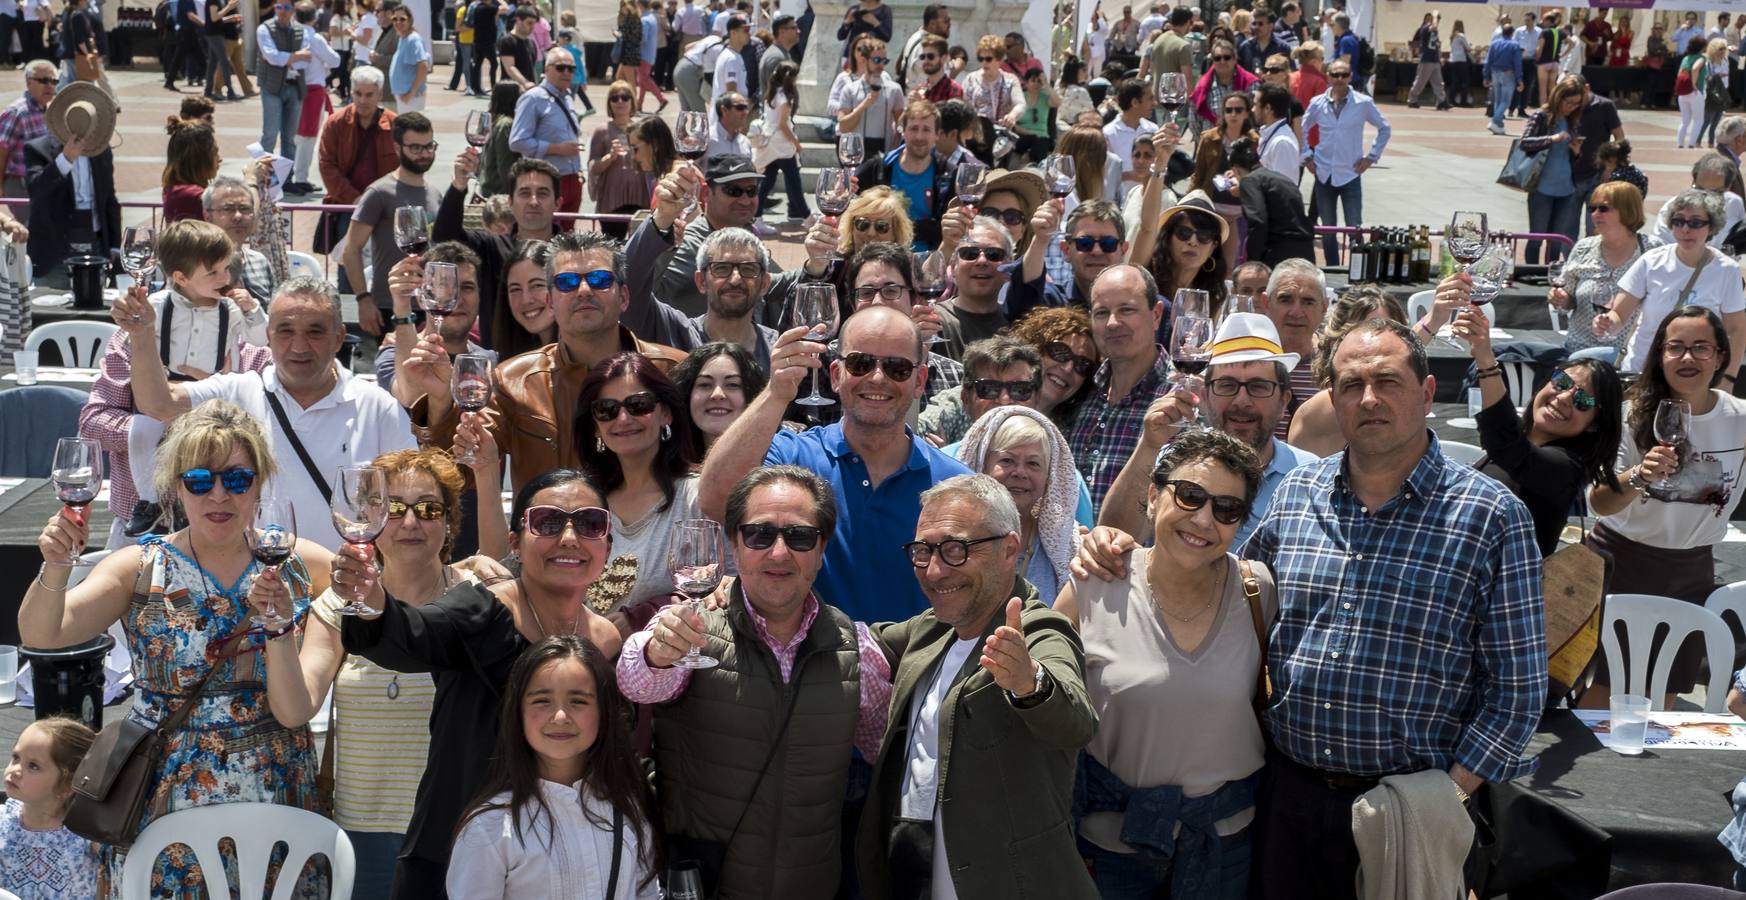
(1173, 642)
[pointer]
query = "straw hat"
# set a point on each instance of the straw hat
(1249, 337)
(1197, 201)
(83, 109)
(1026, 183)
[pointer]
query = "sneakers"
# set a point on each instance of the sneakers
(1494, 129)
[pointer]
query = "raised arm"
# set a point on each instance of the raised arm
(51, 614)
(153, 394)
(746, 442)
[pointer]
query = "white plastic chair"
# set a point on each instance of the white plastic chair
(1466, 454)
(80, 341)
(305, 264)
(255, 827)
(1419, 306)
(1729, 598)
(1643, 614)
(1520, 378)
(7, 895)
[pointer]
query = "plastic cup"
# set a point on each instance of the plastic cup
(8, 673)
(24, 365)
(1560, 318)
(1475, 402)
(1630, 722)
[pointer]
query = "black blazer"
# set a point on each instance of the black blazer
(51, 200)
(1279, 229)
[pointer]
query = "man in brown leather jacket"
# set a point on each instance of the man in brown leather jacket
(532, 413)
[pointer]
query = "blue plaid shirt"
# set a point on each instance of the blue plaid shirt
(1409, 637)
(1104, 434)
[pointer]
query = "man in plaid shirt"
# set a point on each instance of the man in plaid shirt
(1124, 320)
(23, 122)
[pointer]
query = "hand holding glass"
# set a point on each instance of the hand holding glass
(815, 306)
(360, 513)
(441, 292)
(77, 472)
(696, 554)
(471, 387)
(272, 537)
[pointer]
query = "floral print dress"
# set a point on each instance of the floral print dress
(231, 749)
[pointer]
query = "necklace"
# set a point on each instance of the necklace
(1223, 573)
(533, 609)
(393, 688)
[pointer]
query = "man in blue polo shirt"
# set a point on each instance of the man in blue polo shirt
(875, 464)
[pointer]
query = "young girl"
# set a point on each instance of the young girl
(567, 809)
(39, 859)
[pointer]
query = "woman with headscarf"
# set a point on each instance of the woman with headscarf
(1020, 448)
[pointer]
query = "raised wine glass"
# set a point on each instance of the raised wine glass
(851, 151)
(834, 193)
(691, 140)
(1490, 273)
(360, 512)
(441, 291)
(478, 127)
(471, 387)
(1059, 173)
(1672, 427)
(77, 472)
(930, 283)
(1192, 302)
(272, 537)
(1172, 92)
(139, 252)
(971, 183)
(815, 306)
(412, 230)
(1191, 338)
(696, 555)
(1467, 236)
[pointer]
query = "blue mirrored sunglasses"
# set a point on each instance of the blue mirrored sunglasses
(236, 480)
(599, 279)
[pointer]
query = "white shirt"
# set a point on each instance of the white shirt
(194, 337)
(1658, 277)
(1699, 499)
(1121, 138)
(355, 423)
(689, 20)
(1097, 39)
(921, 771)
(703, 54)
(491, 862)
(1148, 27)
(271, 52)
(721, 142)
(84, 190)
(730, 74)
(1279, 150)
(1734, 212)
(1342, 143)
(322, 57)
(721, 20)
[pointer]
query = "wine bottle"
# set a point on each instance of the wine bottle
(1355, 258)
(1373, 258)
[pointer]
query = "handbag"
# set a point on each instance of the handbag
(1264, 679)
(14, 294)
(1522, 169)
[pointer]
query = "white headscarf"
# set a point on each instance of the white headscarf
(1056, 526)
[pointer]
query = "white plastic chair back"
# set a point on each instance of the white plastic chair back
(1729, 598)
(1643, 614)
(7, 895)
(305, 264)
(1465, 454)
(1520, 377)
(80, 342)
(256, 828)
(1419, 306)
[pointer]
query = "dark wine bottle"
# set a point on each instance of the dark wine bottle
(1355, 259)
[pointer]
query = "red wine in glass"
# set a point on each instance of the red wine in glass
(271, 555)
(75, 496)
(1190, 365)
(833, 207)
(413, 246)
(472, 396)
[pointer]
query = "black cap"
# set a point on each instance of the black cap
(737, 22)
(729, 167)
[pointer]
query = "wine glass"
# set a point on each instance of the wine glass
(1467, 236)
(78, 476)
(696, 555)
(1172, 92)
(971, 182)
(1191, 338)
(1556, 280)
(1058, 171)
(271, 538)
(685, 880)
(1192, 302)
(691, 139)
(815, 306)
(851, 151)
(441, 291)
(1672, 427)
(471, 388)
(139, 252)
(360, 512)
(412, 230)
(835, 190)
(930, 283)
(478, 127)
(1490, 273)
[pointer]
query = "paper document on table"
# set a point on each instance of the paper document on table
(281, 172)
(1677, 730)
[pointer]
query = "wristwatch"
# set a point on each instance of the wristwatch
(408, 319)
(1037, 694)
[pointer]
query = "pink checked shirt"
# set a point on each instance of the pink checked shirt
(642, 683)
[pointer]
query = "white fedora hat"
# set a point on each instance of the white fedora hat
(1249, 337)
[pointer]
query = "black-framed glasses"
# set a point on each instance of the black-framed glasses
(36, 80)
(878, 60)
(561, 67)
(762, 536)
(1060, 352)
(1701, 351)
(1235, 110)
(1186, 233)
(869, 293)
(423, 510)
(985, 59)
(599, 280)
(639, 404)
(1273, 70)
(1582, 399)
(1085, 243)
(1600, 208)
(591, 522)
(992, 388)
(879, 226)
(740, 192)
(992, 254)
(927, 56)
(1011, 218)
(1339, 74)
(1190, 497)
(737, 107)
(953, 551)
(723, 270)
(1259, 388)
(236, 480)
(1223, 57)
(861, 365)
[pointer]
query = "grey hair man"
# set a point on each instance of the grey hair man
(1297, 300)
(233, 205)
(733, 274)
(999, 371)
(23, 122)
(1731, 138)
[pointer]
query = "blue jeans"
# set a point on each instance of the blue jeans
(375, 852)
(279, 113)
(1126, 876)
(1350, 197)
(1551, 214)
(1503, 90)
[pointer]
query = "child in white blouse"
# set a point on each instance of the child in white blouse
(566, 811)
(39, 858)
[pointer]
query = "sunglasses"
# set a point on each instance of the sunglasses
(861, 365)
(1235, 111)
(737, 107)
(869, 293)
(953, 551)
(991, 389)
(1683, 222)
(1190, 497)
(1084, 244)
(1273, 70)
(762, 536)
(638, 405)
(878, 60)
(45, 81)
(739, 193)
(1011, 218)
(424, 510)
(985, 59)
(599, 280)
(927, 56)
(1582, 400)
(1060, 352)
(236, 480)
(879, 226)
(992, 254)
(591, 522)
(1339, 74)
(561, 68)
(1187, 233)
(1600, 208)
(1223, 58)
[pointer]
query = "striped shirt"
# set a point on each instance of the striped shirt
(1303, 387)
(1409, 637)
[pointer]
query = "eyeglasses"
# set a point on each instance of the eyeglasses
(927, 56)
(1600, 208)
(762, 536)
(985, 59)
(862, 364)
(1060, 352)
(1011, 218)
(1259, 388)
(723, 270)
(639, 405)
(1084, 243)
(1582, 400)
(1186, 233)
(591, 522)
(992, 254)
(1235, 110)
(560, 67)
(236, 210)
(44, 80)
(236, 480)
(599, 280)
(1223, 57)
(879, 226)
(953, 551)
(1700, 351)
(991, 389)
(1190, 497)
(869, 293)
(424, 510)
(738, 193)
(420, 148)
(1683, 222)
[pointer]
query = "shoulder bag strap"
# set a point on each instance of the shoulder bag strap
(1695, 272)
(775, 747)
(1252, 592)
(617, 851)
(297, 444)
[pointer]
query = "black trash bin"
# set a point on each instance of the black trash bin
(69, 681)
(87, 275)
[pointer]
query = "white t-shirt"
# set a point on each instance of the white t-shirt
(878, 121)
(1658, 277)
(1279, 150)
(1694, 509)
(1734, 212)
(730, 69)
(921, 770)
(1121, 138)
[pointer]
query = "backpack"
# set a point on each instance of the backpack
(1366, 58)
(163, 18)
(1683, 84)
(470, 18)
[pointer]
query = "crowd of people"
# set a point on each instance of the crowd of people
(1008, 483)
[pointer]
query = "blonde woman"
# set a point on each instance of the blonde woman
(876, 214)
(994, 94)
(1715, 89)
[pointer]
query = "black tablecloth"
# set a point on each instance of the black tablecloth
(1617, 81)
(23, 510)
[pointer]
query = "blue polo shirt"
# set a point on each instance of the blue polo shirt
(865, 573)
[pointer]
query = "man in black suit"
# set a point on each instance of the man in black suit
(72, 204)
(1279, 227)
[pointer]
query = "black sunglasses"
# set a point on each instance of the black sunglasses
(992, 388)
(424, 510)
(985, 59)
(1190, 497)
(639, 404)
(1107, 244)
(1060, 352)
(1273, 70)
(992, 254)
(762, 536)
(879, 226)
(1582, 399)
(591, 522)
(739, 193)
(1186, 233)
(1339, 74)
(236, 480)
(1223, 58)
(953, 551)
(1011, 218)
(861, 364)
(560, 67)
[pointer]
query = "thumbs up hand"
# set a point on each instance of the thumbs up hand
(1006, 656)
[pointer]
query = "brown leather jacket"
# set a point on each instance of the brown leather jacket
(338, 153)
(522, 417)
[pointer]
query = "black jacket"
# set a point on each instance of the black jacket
(927, 222)
(51, 202)
(1279, 229)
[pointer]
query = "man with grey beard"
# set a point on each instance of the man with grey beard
(732, 274)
